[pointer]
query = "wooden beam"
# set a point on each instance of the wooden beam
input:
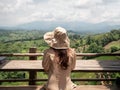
(98, 54)
(81, 65)
(32, 74)
(78, 54)
(78, 79)
(79, 87)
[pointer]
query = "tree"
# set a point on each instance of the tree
(89, 40)
(114, 49)
(94, 48)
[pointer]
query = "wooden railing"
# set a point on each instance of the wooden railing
(99, 66)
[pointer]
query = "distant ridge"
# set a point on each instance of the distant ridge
(74, 26)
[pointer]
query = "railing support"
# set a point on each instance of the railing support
(32, 74)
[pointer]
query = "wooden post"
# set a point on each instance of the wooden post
(32, 74)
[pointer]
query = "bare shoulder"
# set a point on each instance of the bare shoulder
(71, 51)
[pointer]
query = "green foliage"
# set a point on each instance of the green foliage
(94, 48)
(89, 40)
(75, 75)
(106, 38)
(114, 49)
(20, 35)
(19, 41)
(107, 58)
(10, 75)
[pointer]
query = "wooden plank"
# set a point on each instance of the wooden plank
(78, 54)
(20, 87)
(98, 54)
(80, 87)
(21, 65)
(79, 79)
(81, 65)
(21, 54)
(98, 65)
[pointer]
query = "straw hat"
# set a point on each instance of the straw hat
(57, 39)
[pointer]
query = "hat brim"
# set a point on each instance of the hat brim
(51, 41)
(48, 37)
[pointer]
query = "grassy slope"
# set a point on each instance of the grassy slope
(113, 43)
(108, 58)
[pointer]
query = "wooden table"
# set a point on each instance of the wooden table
(81, 65)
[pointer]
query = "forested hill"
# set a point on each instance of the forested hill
(96, 43)
(20, 35)
(22, 40)
(19, 41)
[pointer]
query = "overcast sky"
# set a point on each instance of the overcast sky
(15, 12)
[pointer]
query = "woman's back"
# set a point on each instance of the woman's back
(58, 77)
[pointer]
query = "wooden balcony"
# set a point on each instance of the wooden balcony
(33, 66)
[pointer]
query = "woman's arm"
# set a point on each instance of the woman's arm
(46, 61)
(73, 59)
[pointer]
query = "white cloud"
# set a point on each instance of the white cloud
(94, 11)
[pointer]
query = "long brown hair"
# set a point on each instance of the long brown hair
(63, 57)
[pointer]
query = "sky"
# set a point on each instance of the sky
(16, 12)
